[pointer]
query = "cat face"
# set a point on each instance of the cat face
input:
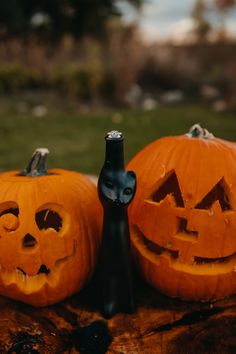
(116, 188)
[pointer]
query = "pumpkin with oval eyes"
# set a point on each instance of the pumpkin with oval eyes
(50, 226)
(183, 217)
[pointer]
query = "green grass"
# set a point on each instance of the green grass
(76, 140)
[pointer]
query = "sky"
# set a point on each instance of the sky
(170, 19)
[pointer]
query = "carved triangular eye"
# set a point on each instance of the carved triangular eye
(217, 193)
(169, 186)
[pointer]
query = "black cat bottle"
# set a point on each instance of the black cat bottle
(116, 189)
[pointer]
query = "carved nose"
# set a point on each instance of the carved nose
(29, 241)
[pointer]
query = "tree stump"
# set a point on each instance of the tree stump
(160, 325)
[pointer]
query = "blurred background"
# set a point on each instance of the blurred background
(71, 70)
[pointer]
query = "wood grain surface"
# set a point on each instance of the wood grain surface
(160, 325)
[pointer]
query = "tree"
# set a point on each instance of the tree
(223, 6)
(202, 26)
(53, 18)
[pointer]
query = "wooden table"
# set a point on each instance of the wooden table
(160, 325)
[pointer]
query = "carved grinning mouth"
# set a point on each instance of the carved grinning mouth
(42, 270)
(155, 252)
(32, 283)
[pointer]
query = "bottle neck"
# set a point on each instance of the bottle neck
(114, 155)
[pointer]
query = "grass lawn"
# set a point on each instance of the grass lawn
(76, 140)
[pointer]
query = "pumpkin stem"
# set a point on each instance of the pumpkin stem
(37, 164)
(196, 131)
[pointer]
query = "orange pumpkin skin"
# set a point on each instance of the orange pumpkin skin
(66, 255)
(183, 217)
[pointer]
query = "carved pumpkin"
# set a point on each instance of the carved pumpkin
(50, 225)
(183, 218)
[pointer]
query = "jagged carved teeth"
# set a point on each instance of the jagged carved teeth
(42, 270)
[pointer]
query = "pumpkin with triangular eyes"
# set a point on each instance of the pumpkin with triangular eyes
(50, 227)
(183, 217)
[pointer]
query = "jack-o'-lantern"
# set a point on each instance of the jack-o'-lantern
(50, 226)
(183, 218)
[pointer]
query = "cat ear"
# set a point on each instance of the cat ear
(131, 175)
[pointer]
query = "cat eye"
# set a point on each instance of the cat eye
(128, 191)
(108, 183)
